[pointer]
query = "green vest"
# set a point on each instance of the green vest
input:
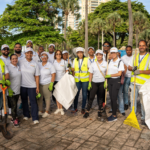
(2, 64)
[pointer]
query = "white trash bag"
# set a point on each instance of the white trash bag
(145, 91)
(65, 90)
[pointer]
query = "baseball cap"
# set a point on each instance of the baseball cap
(51, 45)
(91, 48)
(4, 46)
(29, 49)
(29, 41)
(113, 50)
(99, 52)
(79, 49)
(64, 52)
(44, 53)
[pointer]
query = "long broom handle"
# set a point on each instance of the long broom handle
(106, 83)
(134, 79)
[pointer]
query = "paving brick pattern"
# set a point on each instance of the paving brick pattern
(73, 132)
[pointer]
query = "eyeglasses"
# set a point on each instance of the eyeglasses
(106, 46)
(5, 49)
(58, 54)
(43, 56)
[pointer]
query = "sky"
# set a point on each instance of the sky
(3, 4)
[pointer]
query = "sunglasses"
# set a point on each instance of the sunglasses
(43, 56)
(5, 49)
(106, 46)
(58, 54)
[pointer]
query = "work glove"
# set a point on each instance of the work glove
(3, 82)
(134, 68)
(8, 83)
(89, 86)
(51, 86)
(38, 96)
(10, 92)
(108, 76)
(136, 72)
(105, 85)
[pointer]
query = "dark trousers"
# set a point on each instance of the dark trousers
(31, 92)
(89, 97)
(97, 88)
(81, 85)
(113, 86)
(13, 102)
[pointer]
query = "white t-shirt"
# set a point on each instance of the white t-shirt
(51, 57)
(6, 60)
(97, 76)
(28, 71)
(126, 59)
(80, 62)
(46, 72)
(60, 68)
(22, 56)
(113, 67)
(15, 78)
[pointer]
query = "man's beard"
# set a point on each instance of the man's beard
(18, 52)
(5, 54)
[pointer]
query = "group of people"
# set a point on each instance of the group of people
(34, 75)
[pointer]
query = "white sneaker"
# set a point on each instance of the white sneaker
(25, 118)
(35, 121)
(57, 111)
(40, 113)
(45, 115)
(62, 112)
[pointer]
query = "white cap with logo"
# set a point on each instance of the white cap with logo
(113, 50)
(64, 52)
(29, 49)
(99, 52)
(79, 49)
(51, 45)
(4, 46)
(29, 41)
(44, 53)
(91, 48)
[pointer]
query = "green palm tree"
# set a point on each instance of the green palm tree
(140, 23)
(97, 27)
(69, 6)
(112, 21)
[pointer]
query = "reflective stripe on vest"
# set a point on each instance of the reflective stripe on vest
(83, 74)
(144, 65)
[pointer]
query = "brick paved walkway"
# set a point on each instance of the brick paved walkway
(74, 132)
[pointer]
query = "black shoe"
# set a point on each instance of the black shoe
(99, 114)
(123, 114)
(86, 115)
(126, 107)
(110, 112)
(83, 111)
(143, 122)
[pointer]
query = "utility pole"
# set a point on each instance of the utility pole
(86, 27)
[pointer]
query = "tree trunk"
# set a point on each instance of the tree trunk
(102, 39)
(65, 25)
(114, 38)
(98, 39)
(137, 34)
(130, 40)
(86, 27)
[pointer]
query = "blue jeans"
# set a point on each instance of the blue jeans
(126, 90)
(31, 92)
(120, 99)
(81, 85)
(137, 88)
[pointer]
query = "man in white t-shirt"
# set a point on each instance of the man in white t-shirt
(126, 59)
(141, 68)
(18, 51)
(51, 53)
(38, 57)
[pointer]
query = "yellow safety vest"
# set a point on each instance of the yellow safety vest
(83, 74)
(144, 65)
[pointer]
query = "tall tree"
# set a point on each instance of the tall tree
(130, 40)
(86, 27)
(69, 6)
(140, 23)
(97, 27)
(113, 20)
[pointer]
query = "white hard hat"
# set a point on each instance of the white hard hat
(44, 53)
(91, 48)
(99, 52)
(79, 49)
(51, 45)
(29, 41)
(4, 46)
(64, 52)
(113, 50)
(29, 49)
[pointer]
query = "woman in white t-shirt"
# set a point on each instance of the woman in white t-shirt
(15, 79)
(47, 78)
(97, 76)
(60, 66)
(29, 85)
(115, 69)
